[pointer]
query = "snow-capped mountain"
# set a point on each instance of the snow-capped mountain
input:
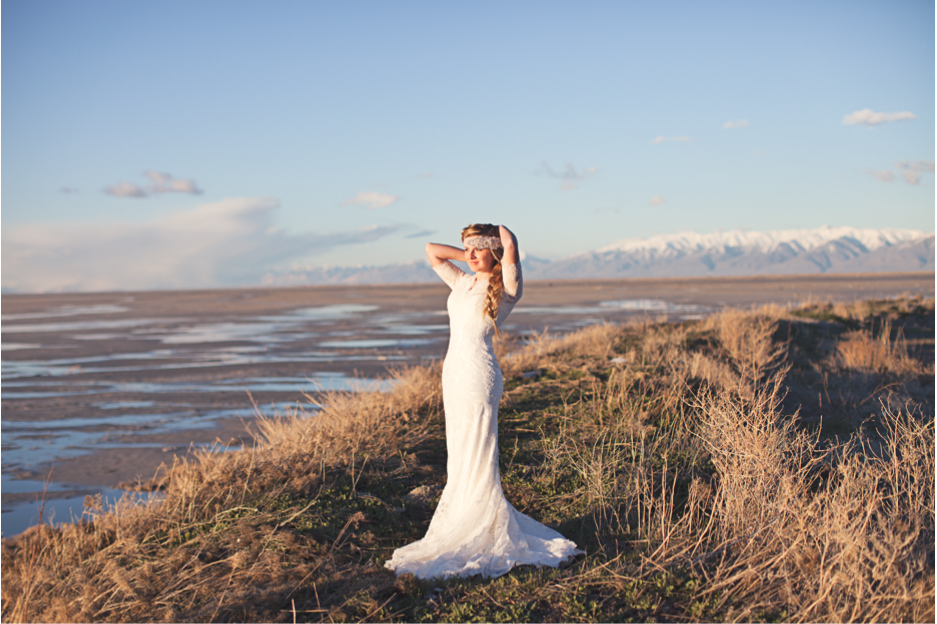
(688, 254)
(766, 242)
(738, 252)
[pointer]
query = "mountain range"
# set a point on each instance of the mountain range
(688, 254)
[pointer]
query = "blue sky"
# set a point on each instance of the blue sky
(208, 143)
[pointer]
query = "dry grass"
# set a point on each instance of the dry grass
(748, 339)
(216, 546)
(787, 525)
(708, 468)
(886, 353)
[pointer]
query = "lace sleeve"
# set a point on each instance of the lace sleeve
(449, 273)
(513, 282)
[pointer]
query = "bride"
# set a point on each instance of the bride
(475, 530)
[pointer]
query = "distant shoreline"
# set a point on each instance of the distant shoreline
(798, 277)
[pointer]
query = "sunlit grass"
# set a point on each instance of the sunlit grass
(771, 465)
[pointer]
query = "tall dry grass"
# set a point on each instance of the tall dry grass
(674, 453)
(787, 524)
(748, 339)
(824, 534)
(862, 350)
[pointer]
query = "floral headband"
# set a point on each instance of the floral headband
(483, 242)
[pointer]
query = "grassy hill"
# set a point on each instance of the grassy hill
(774, 464)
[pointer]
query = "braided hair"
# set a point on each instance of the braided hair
(496, 282)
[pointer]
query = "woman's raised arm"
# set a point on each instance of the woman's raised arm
(509, 242)
(438, 253)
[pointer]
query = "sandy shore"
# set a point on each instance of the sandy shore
(102, 388)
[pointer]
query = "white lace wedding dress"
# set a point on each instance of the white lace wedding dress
(475, 530)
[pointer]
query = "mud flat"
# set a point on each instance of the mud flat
(100, 389)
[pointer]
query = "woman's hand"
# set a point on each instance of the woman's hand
(509, 242)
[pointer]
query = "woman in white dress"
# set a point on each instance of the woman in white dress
(475, 530)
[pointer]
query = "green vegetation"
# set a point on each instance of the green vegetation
(766, 465)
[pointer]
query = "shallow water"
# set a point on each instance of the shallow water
(68, 310)
(69, 507)
(655, 306)
(92, 377)
(67, 394)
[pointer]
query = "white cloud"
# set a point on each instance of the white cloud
(911, 177)
(125, 189)
(912, 170)
(165, 183)
(227, 243)
(662, 139)
(657, 200)
(571, 176)
(161, 183)
(371, 200)
(739, 123)
(868, 117)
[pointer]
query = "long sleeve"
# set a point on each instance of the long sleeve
(450, 273)
(513, 282)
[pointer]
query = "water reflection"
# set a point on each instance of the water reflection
(319, 382)
(376, 344)
(651, 305)
(619, 305)
(27, 444)
(68, 310)
(42, 328)
(17, 517)
(31, 369)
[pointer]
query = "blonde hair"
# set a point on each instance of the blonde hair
(496, 282)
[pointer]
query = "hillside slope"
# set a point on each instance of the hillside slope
(770, 465)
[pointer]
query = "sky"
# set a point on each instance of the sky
(200, 144)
